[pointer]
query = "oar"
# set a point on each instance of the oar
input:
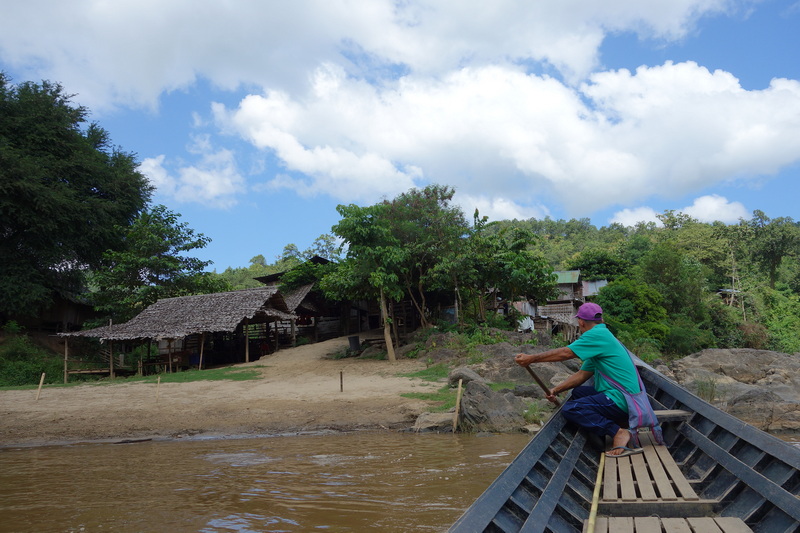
(541, 383)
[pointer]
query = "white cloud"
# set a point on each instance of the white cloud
(709, 208)
(130, 52)
(631, 217)
(712, 208)
(214, 181)
(497, 132)
(363, 100)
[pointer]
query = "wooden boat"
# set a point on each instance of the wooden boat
(720, 475)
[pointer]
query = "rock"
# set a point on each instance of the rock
(482, 409)
(760, 387)
(434, 422)
(465, 374)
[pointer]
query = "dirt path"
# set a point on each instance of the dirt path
(299, 391)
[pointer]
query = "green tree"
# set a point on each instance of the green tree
(597, 264)
(65, 194)
(374, 258)
(770, 241)
(431, 233)
(152, 265)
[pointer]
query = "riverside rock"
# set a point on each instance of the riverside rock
(760, 387)
(483, 409)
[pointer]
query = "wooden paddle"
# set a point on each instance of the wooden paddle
(541, 383)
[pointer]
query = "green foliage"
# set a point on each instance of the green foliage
(781, 312)
(22, 363)
(537, 411)
(597, 264)
(64, 193)
(435, 372)
(445, 398)
(152, 265)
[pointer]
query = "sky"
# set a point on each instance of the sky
(254, 119)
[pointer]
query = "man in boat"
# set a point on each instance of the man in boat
(601, 409)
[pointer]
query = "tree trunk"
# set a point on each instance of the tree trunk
(387, 329)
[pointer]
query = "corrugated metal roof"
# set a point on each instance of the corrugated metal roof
(591, 288)
(568, 276)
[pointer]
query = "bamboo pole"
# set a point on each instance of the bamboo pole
(158, 387)
(596, 496)
(39, 391)
(458, 406)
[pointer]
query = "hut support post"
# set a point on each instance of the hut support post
(277, 337)
(111, 359)
(66, 357)
(202, 345)
(246, 340)
(169, 354)
(294, 333)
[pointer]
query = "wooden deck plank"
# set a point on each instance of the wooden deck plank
(643, 479)
(647, 524)
(730, 524)
(675, 474)
(620, 524)
(706, 525)
(610, 489)
(675, 525)
(660, 477)
(626, 479)
(600, 525)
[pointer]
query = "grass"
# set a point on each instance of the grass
(432, 373)
(445, 397)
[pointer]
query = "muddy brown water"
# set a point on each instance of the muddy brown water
(370, 481)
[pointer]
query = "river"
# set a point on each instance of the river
(363, 481)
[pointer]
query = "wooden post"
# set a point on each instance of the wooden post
(277, 337)
(202, 346)
(341, 380)
(294, 332)
(246, 329)
(111, 359)
(41, 382)
(458, 406)
(110, 353)
(66, 357)
(158, 387)
(169, 355)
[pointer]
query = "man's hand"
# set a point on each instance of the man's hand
(523, 359)
(552, 397)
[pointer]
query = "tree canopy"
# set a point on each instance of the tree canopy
(64, 193)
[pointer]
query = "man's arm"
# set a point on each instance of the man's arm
(578, 378)
(550, 356)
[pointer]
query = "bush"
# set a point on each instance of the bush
(22, 363)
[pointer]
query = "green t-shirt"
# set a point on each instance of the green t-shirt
(599, 350)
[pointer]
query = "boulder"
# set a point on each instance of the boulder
(434, 423)
(760, 387)
(482, 409)
(465, 375)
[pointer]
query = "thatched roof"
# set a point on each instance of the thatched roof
(295, 298)
(174, 318)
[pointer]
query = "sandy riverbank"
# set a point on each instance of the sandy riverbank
(299, 390)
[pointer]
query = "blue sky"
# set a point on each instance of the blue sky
(255, 119)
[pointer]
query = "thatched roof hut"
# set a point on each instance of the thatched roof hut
(175, 318)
